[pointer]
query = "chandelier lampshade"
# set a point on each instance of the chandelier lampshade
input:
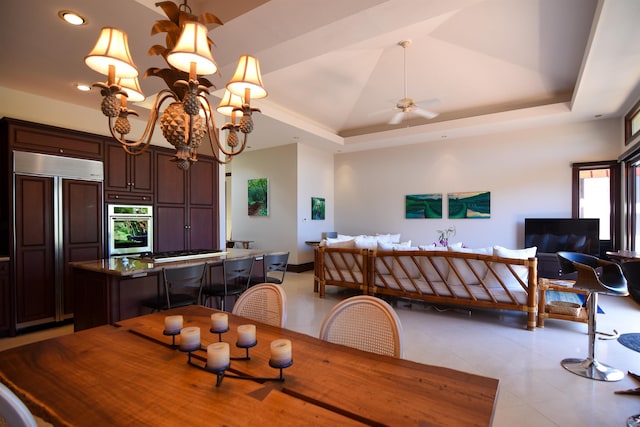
(112, 49)
(247, 76)
(132, 87)
(193, 47)
(228, 103)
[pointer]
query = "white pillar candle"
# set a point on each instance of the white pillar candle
(219, 322)
(190, 338)
(280, 352)
(218, 356)
(173, 324)
(246, 334)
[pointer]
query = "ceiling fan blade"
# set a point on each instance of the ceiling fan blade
(425, 113)
(397, 118)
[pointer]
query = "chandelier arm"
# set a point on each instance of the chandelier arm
(220, 145)
(213, 130)
(162, 96)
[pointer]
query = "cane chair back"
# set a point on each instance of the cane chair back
(366, 323)
(264, 302)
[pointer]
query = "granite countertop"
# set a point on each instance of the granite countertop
(132, 266)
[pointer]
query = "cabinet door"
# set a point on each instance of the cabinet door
(170, 181)
(201, 228)
(203, 204)
(82, 225)
(116, 176)
(34, 264)
(141, 172)
(170, 228)
(128, 178)
(40, 138)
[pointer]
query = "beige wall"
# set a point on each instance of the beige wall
(527, 172)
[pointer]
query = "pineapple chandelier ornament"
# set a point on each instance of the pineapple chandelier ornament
(188, 119)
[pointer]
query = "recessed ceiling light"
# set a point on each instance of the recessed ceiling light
(72, 17)
(82, 87)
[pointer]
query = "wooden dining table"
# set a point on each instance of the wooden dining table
(132, 374)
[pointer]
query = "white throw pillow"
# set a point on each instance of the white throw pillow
(509, 280)
(388, 238)
(366, 242)
(464, 266)
(341, 243)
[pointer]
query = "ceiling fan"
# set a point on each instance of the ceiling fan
(408, 105)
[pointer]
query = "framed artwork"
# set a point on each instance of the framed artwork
(476, 204)
(423, 206)
(258, 197)
(317, 208)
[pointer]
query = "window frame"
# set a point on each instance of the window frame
(615, 198)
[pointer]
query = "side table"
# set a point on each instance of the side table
(548, 311)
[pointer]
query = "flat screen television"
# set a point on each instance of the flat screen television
(551, 235)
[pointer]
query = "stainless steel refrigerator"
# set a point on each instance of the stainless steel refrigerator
(57, 218)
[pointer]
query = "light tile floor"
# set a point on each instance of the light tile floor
(534, 389)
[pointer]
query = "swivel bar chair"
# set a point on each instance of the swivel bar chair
(610, 281)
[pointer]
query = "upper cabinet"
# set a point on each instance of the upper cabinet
(128, 178)
(38, 138)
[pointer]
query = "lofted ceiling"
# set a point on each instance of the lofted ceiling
(334, 69)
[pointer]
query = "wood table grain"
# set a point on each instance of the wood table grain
(130, 375)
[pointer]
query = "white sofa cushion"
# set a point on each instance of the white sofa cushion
(429, 264)
(466, 267)
(509, 280)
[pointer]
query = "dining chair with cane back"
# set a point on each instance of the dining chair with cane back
(182, 286)
(599, 277)
(236, 273)
(366, 323)
(264, 302)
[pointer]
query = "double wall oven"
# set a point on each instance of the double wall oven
(130, 229)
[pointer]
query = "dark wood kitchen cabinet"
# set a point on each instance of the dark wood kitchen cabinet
(186, 204)
(51, 212)
(27, 136)
(128, 179)
(5, 300)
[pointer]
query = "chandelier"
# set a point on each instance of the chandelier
(188, 118)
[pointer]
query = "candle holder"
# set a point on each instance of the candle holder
(221, 372)
(280, 366)
(246, 348)
(190, 349)
(219, 332)
(172, 334)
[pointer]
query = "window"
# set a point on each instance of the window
(596, 195)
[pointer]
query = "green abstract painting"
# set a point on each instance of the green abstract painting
(423, 206)
(476, 204)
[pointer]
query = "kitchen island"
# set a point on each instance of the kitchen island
(106, 291)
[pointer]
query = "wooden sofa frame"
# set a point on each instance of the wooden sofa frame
(438, 277)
